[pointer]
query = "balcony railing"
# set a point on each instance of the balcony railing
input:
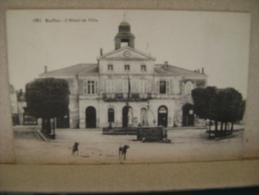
(126, 96)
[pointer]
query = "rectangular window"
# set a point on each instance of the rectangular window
(127, 67)
(90, 87)
(110, 67)
(162, 87)
(85, 86)
(143, 68)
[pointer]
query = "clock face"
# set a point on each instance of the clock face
(127, 54)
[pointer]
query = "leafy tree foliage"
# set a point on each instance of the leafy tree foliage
(220, 105)
(205, 102)
(47, 98)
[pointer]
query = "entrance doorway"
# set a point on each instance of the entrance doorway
(90, 117)
(63, 122)
(110, 115)
(188, 115)
(162, 116)
(143, 116)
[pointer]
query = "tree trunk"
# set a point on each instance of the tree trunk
(225, 129)
(221, 126)
(46, 125)
(232, 127)
(216, 128)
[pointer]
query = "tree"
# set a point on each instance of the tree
(47, 98)
(220, 105)
(231, 108)
(205, 102)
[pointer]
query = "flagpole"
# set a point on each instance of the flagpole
(129, 88)
(128, 98)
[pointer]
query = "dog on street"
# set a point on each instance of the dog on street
(75, 148)
(123, 151)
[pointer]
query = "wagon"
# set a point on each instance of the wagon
(150, 134)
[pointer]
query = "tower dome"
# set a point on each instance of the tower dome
(124, 23)
(124, 36)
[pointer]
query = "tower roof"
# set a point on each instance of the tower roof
(124, 23)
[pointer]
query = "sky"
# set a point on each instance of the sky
(217, 41)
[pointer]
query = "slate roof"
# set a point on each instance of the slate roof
(86, 69)
(177, 71)
(80, 69)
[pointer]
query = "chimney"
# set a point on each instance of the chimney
(45, 69)
(202, 70)
(101, 51)
(166, 65)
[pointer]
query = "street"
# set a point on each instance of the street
(96, 148)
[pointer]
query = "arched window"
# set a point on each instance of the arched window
(110, 115)
(188, 88)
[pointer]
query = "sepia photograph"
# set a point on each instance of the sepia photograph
(127, 86)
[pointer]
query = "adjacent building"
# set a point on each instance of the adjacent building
(126, 87)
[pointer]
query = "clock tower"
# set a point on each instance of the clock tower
(124, 36)
(125, 59)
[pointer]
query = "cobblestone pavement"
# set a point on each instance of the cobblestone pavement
(94, 147)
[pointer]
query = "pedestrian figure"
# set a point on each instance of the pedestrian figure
(75, 148)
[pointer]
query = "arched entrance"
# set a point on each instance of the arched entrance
(143, 116)
(90, 117)
(63, 122)
(162, 116)
(110, 115)
(188, 115)
(125, 116)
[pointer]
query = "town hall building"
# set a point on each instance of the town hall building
(127, 88)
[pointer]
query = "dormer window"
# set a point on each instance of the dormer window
(110, 67)
(143, 68)
(126, 67)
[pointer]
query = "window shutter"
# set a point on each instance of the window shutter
(107, 90)
(167, 87)
(157, 87)
(151, 86)
(81, 87)
(172, 86)
(96, 87)
(86, 86)
(176, 86)
(113, 86)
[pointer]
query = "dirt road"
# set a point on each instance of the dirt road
(94, 147)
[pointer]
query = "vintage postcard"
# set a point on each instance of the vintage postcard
(127, 86)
